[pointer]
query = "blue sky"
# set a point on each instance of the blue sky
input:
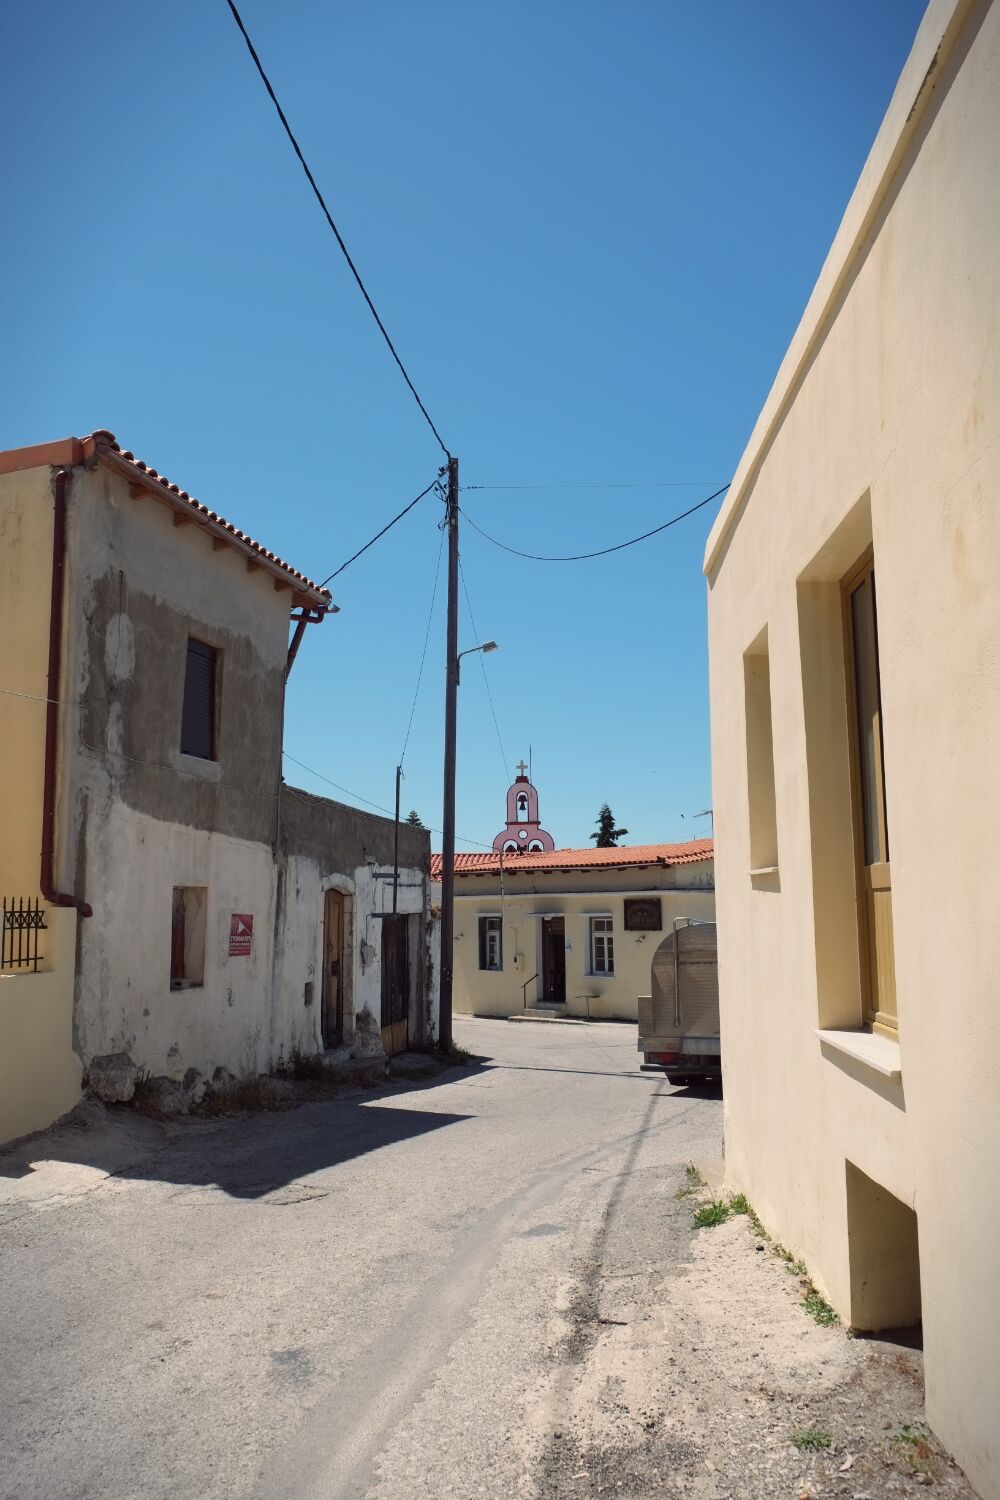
(591, 230)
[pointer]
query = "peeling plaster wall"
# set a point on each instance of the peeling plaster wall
(322, 839)
(124, 1000)
(138, 818)
(300, 955)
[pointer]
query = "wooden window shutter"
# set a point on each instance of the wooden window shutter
(482, 943)
(177, 937)
(198, 718)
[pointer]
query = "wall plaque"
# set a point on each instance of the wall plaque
(643, 915)
(240, 934)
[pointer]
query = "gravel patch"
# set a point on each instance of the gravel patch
(684, 1363)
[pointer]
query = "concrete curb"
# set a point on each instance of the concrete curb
(551, 1020)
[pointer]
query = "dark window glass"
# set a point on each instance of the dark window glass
(869, 712)
(490, 943)
(198, 719)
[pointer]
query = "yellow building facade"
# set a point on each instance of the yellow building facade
(854, 624)
(39, 1070)
(571, 931)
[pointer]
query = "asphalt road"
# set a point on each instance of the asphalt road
(356, 1298)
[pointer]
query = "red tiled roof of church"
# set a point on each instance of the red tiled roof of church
(688, 853)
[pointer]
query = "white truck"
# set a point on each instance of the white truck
(679, 1020)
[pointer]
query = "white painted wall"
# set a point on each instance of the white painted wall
(300, 955)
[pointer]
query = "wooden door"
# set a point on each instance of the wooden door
(868, 781)
(333, 965)
(395, 983)
(554, 959)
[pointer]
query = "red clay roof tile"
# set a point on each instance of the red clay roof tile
(103, 443)
(579, 859)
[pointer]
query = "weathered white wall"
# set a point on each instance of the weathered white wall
(490, 993)
(250, 1012)
(884, 428)
(300, 955)
(124, 999)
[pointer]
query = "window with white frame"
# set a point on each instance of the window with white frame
(490, 943)
(602, 945)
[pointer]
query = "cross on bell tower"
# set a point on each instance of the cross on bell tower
(523, 833)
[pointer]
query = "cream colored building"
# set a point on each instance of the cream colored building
(854, 620)
(569, 930)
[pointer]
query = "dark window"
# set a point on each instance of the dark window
(187, 936)
(198, 719)
(490, 943)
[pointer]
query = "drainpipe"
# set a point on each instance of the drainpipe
(47, 881)
(306, 617)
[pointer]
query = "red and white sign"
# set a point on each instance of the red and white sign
(240, 934)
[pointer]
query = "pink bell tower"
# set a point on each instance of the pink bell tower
(523, 834)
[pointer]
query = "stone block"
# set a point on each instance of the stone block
(112, 1077)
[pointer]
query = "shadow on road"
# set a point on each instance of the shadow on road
(701, 1088)
(629, 1073)
(249, 1156)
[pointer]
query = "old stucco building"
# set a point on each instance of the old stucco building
(854, 618)
(571, 930)
(198, 912)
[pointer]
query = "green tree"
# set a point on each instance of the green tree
(607, 834)
(413, 818)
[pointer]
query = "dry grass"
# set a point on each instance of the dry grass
(251, 1094)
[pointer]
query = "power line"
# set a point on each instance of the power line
(345, 789)
(482, 663)
(603, 551)
(35, 698)
(389, 812)
(572, 484)
(406, 509)
(423, 654)
(329, 219)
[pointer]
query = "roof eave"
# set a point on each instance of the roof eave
(141, 483)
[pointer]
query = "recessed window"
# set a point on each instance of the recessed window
(760, 756)
(490, 943)
(198, 717)
(187, 936)
(602, 945)
(868, 784)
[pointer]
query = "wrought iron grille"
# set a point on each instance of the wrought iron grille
(23, 920)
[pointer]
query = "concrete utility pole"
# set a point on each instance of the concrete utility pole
(450, 735)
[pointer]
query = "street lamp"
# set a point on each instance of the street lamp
(485, 648)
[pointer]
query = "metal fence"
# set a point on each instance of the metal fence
(23, 920)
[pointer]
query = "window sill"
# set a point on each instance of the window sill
(876, 1052)
(763, 870)
(194, 765)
